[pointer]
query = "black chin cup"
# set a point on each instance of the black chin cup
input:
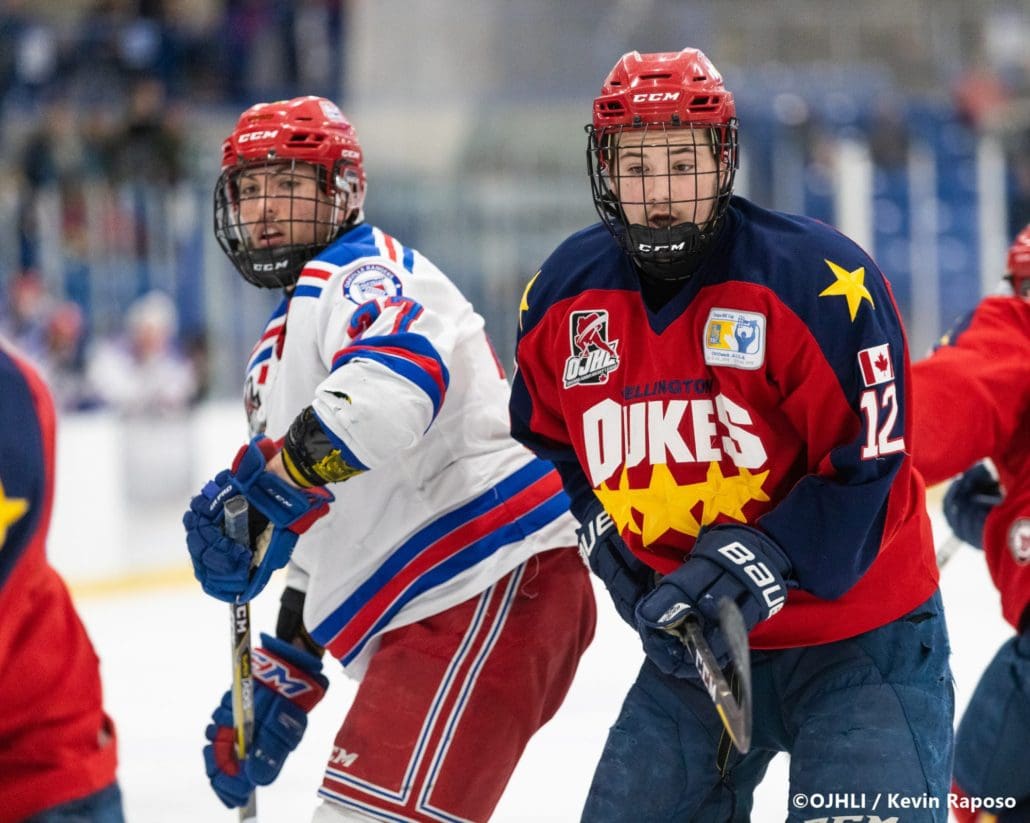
(664, 253)
(275, 268)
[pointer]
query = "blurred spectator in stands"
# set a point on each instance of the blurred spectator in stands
(888, 133)
(117, 43)
(272, 48)
(63, 359)
(192, 69)
(243, 24)
(23, 318)
(29, 52)
(980, 97)
(143, 372)
(57, 159)
(318, 34)
(195, 347)
(149, 139)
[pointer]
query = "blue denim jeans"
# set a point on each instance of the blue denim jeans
(104, 806)
(866, 716)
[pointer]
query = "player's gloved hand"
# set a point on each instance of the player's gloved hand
(279, 513)
(626, 577)
(737, 562)
(968, 501)
(288, 683)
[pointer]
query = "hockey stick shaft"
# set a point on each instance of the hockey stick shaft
(733, 708)
(236, 528)
(714, 681)
(949, 546)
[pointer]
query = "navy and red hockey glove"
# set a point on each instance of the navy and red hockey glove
(968, 501)
(737, 562)
(626, 578)
(279, 513)
(288, 683)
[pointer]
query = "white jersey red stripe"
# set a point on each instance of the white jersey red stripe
(450, 503)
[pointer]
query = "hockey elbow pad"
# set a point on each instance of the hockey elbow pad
(313, 456)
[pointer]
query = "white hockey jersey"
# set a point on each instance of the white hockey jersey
(397, 366)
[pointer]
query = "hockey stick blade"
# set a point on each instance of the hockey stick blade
(732, 623)
(734, 709)
(947, 550)
(237, 529)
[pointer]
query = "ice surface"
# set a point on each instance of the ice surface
(165, 664)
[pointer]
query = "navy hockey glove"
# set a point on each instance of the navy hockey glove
(288, 683)
(279, 513)
(626, 578)
(736, 562)
(968, 501)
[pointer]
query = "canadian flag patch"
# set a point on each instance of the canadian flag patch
(876, 366)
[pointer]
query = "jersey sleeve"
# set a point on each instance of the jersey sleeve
(840, 362)
(388, 376)
(537, 421)
(26, 462)
(970, 394)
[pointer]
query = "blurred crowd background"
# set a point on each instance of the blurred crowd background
(904, 122)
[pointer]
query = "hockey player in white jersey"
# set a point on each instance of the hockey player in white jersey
(443, 575)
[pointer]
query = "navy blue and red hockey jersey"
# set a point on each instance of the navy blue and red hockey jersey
(56, 742)
(971, 401)
(771, 390)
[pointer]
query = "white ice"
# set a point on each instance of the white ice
(165, 664)
(165, 651)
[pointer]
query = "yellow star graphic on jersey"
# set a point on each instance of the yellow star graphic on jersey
(849, 284)
(731, 494)
(664, 505)
(11, 510)
(524, 304)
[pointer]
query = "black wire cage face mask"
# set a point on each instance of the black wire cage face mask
(272, 217)
(662, 189)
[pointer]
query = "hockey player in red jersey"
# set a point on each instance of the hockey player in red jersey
(971, 401)
(735, 424)
(57, 746)
(444, 575)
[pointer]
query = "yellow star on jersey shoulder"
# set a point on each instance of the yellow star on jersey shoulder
(850, 285)
(11, 510)
(524, 304)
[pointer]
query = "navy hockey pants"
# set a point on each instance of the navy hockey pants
(990, 748)
(867, 716)
(104, 806)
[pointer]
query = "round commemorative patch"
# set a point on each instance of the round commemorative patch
(1019, 541)
(369, 282)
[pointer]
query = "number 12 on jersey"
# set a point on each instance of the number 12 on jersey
(881, 413)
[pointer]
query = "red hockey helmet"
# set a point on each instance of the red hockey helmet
(676, 88)
(653, 96)
(273, 137)
(1018, 263)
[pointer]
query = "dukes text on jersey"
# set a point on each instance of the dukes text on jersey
(626, 435)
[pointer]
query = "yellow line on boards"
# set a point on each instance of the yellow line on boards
(133, 582)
